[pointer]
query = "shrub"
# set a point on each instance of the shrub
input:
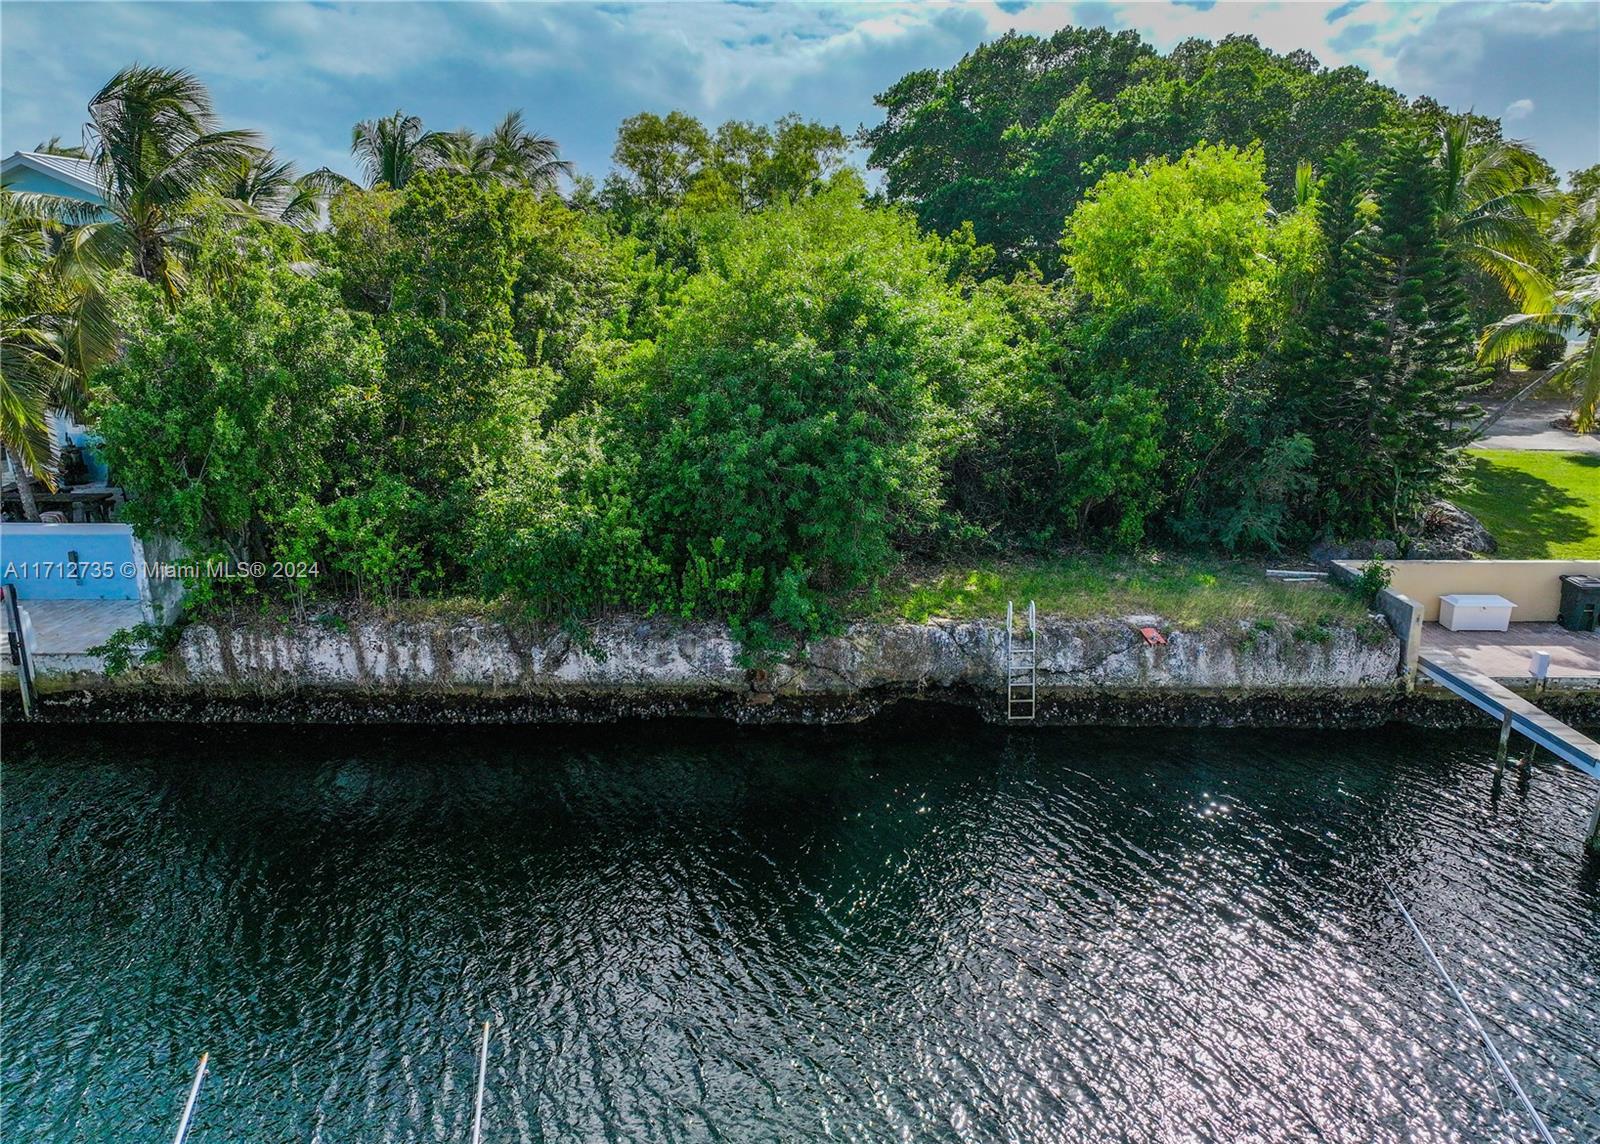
(793, 405)
(221, 415)
(1374, 578)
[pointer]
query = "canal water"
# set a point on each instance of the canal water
(893, 933)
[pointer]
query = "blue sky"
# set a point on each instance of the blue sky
(304, 72)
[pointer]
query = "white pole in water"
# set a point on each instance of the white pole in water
(1472, 1019)
(194, 1095)
(483, 1065)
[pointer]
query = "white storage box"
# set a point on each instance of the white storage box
(1465, 613)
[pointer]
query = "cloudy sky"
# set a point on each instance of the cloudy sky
(304, 72)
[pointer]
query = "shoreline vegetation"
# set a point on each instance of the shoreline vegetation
(1111, 339)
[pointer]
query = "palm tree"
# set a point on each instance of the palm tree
(462, 152)
(1572, 307)
(395, 149)
(54, 146)
(392, 150)
(154, 137)
(273, 188)
(55, 324)
(518, 155)
(1496, 202)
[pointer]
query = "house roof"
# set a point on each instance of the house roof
(77, 173)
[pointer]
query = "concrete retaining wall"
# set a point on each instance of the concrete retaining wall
(1533, 585)
(667, 657)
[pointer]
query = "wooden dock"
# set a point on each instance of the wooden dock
(1517, 714)
(1552, 734)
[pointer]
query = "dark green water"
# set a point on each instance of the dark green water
(685, 934)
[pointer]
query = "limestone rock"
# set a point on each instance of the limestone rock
(1450, 533)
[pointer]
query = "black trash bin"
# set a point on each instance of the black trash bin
(1580, 603)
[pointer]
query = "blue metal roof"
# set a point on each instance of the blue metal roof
(79, 174)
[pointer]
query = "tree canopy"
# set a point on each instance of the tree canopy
(1105, 297)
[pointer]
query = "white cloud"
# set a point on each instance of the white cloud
(304, 73)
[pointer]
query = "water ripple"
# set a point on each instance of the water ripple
(689, 934)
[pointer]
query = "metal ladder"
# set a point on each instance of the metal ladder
(1022, 668)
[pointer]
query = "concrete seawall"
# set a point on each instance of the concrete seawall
(657, 655)
(466, 668)
(478, 669)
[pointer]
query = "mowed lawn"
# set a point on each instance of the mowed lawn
(1537, 505)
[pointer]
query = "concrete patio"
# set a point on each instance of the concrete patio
(1504, 656)
(65, 630)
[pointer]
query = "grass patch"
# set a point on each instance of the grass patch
(1189, 591)
(1539, 506)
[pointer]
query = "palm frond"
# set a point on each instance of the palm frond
(1520, 334)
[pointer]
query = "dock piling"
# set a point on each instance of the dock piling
(1505, 741)
(1539, 668)
(1517, 714)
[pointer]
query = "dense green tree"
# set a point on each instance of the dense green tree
(657, 158)
(792, 406)
(459, 392)
(1194, 237)
(225, 413)
(675, 161)
(1381, 374)
(562, 532)
(1016, 133)
(1427, 339)
(361, 244)
(1332, 362)
(580, 295)
(757, 166)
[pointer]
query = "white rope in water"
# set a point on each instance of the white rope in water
(1472, 1019)
(194, 1095)
(477, 1107)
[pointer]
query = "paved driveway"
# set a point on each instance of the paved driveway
(1528, 426)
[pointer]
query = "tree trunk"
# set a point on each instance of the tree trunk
(30, 507)
(1506, 408)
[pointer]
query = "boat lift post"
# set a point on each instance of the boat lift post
(18, 633)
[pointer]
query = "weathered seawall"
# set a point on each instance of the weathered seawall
(483, 669)
(703, 658)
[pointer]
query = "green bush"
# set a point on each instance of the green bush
(560, 532)
(221, 415)
(793, 411)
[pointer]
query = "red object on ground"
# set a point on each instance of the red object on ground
(1152, 638)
